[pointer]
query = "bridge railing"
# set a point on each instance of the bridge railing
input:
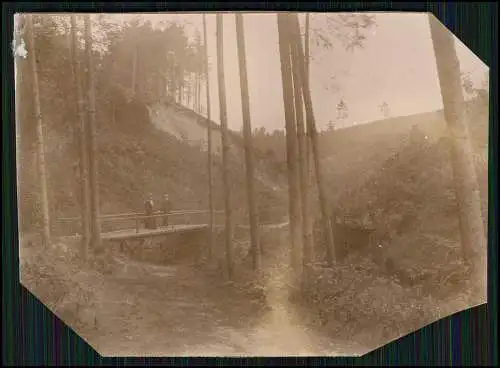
(191, 217)
(138, 220)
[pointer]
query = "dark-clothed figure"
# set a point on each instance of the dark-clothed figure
(150, 222)
(166, 208)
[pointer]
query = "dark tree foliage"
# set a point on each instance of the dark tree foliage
(165, 59)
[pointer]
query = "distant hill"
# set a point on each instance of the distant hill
(351, 155)
(406, 185)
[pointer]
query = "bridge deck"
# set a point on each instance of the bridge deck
(145, 233)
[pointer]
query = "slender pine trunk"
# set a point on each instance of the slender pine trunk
(199, 92)
(291, 139)
(323, 199)
(195, 97)
(310, 179)
(191, 92)
(209, 143)
(306, 60)
(303, 170)
(249, 153)
(225, 145)
(93, 150)
(81, 139)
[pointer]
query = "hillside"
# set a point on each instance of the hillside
(411, 272)
(351, 155)
(360, 154)
(184, 124)
(410, 198)
(136, 158)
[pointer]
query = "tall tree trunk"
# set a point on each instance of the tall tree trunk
(81, 139)
(172, 87)
(19, 21)
(306, 44)
(308, 144)
(249, 153)
(134, 71)
(198, 97)
(209, 143)
(93, 150)
(195, 92)
(191, 93)
(291, 139)
(472, 233)
(170, 82)
(225, 144)
(303, 170)
(112, 79)
(307, 57)
(196, 102)
(42, 170)
(323, 199)
(179, 93)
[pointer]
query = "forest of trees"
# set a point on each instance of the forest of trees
(85, 138)
(135, 62)
(139, 60)
(130, 65)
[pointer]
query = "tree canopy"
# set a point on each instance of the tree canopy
(165, 56)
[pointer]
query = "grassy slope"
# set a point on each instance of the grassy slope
(413, 196)
(353, 154)
(135, 158)
(373, 301)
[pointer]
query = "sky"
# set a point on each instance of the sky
(396, 66)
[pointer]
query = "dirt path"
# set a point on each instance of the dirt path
(149, 310)
(170, 311)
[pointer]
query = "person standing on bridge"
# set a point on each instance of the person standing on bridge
(150, 222)
(166, 208)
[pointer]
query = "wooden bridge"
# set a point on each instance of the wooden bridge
(186, 233)
(131, 225)
(133, 234)
(123, 226)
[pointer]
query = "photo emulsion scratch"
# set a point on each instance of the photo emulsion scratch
(249, 184)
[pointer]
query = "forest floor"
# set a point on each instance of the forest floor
(140, 309)
(123, 307)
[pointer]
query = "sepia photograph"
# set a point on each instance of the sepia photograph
(249, 184)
